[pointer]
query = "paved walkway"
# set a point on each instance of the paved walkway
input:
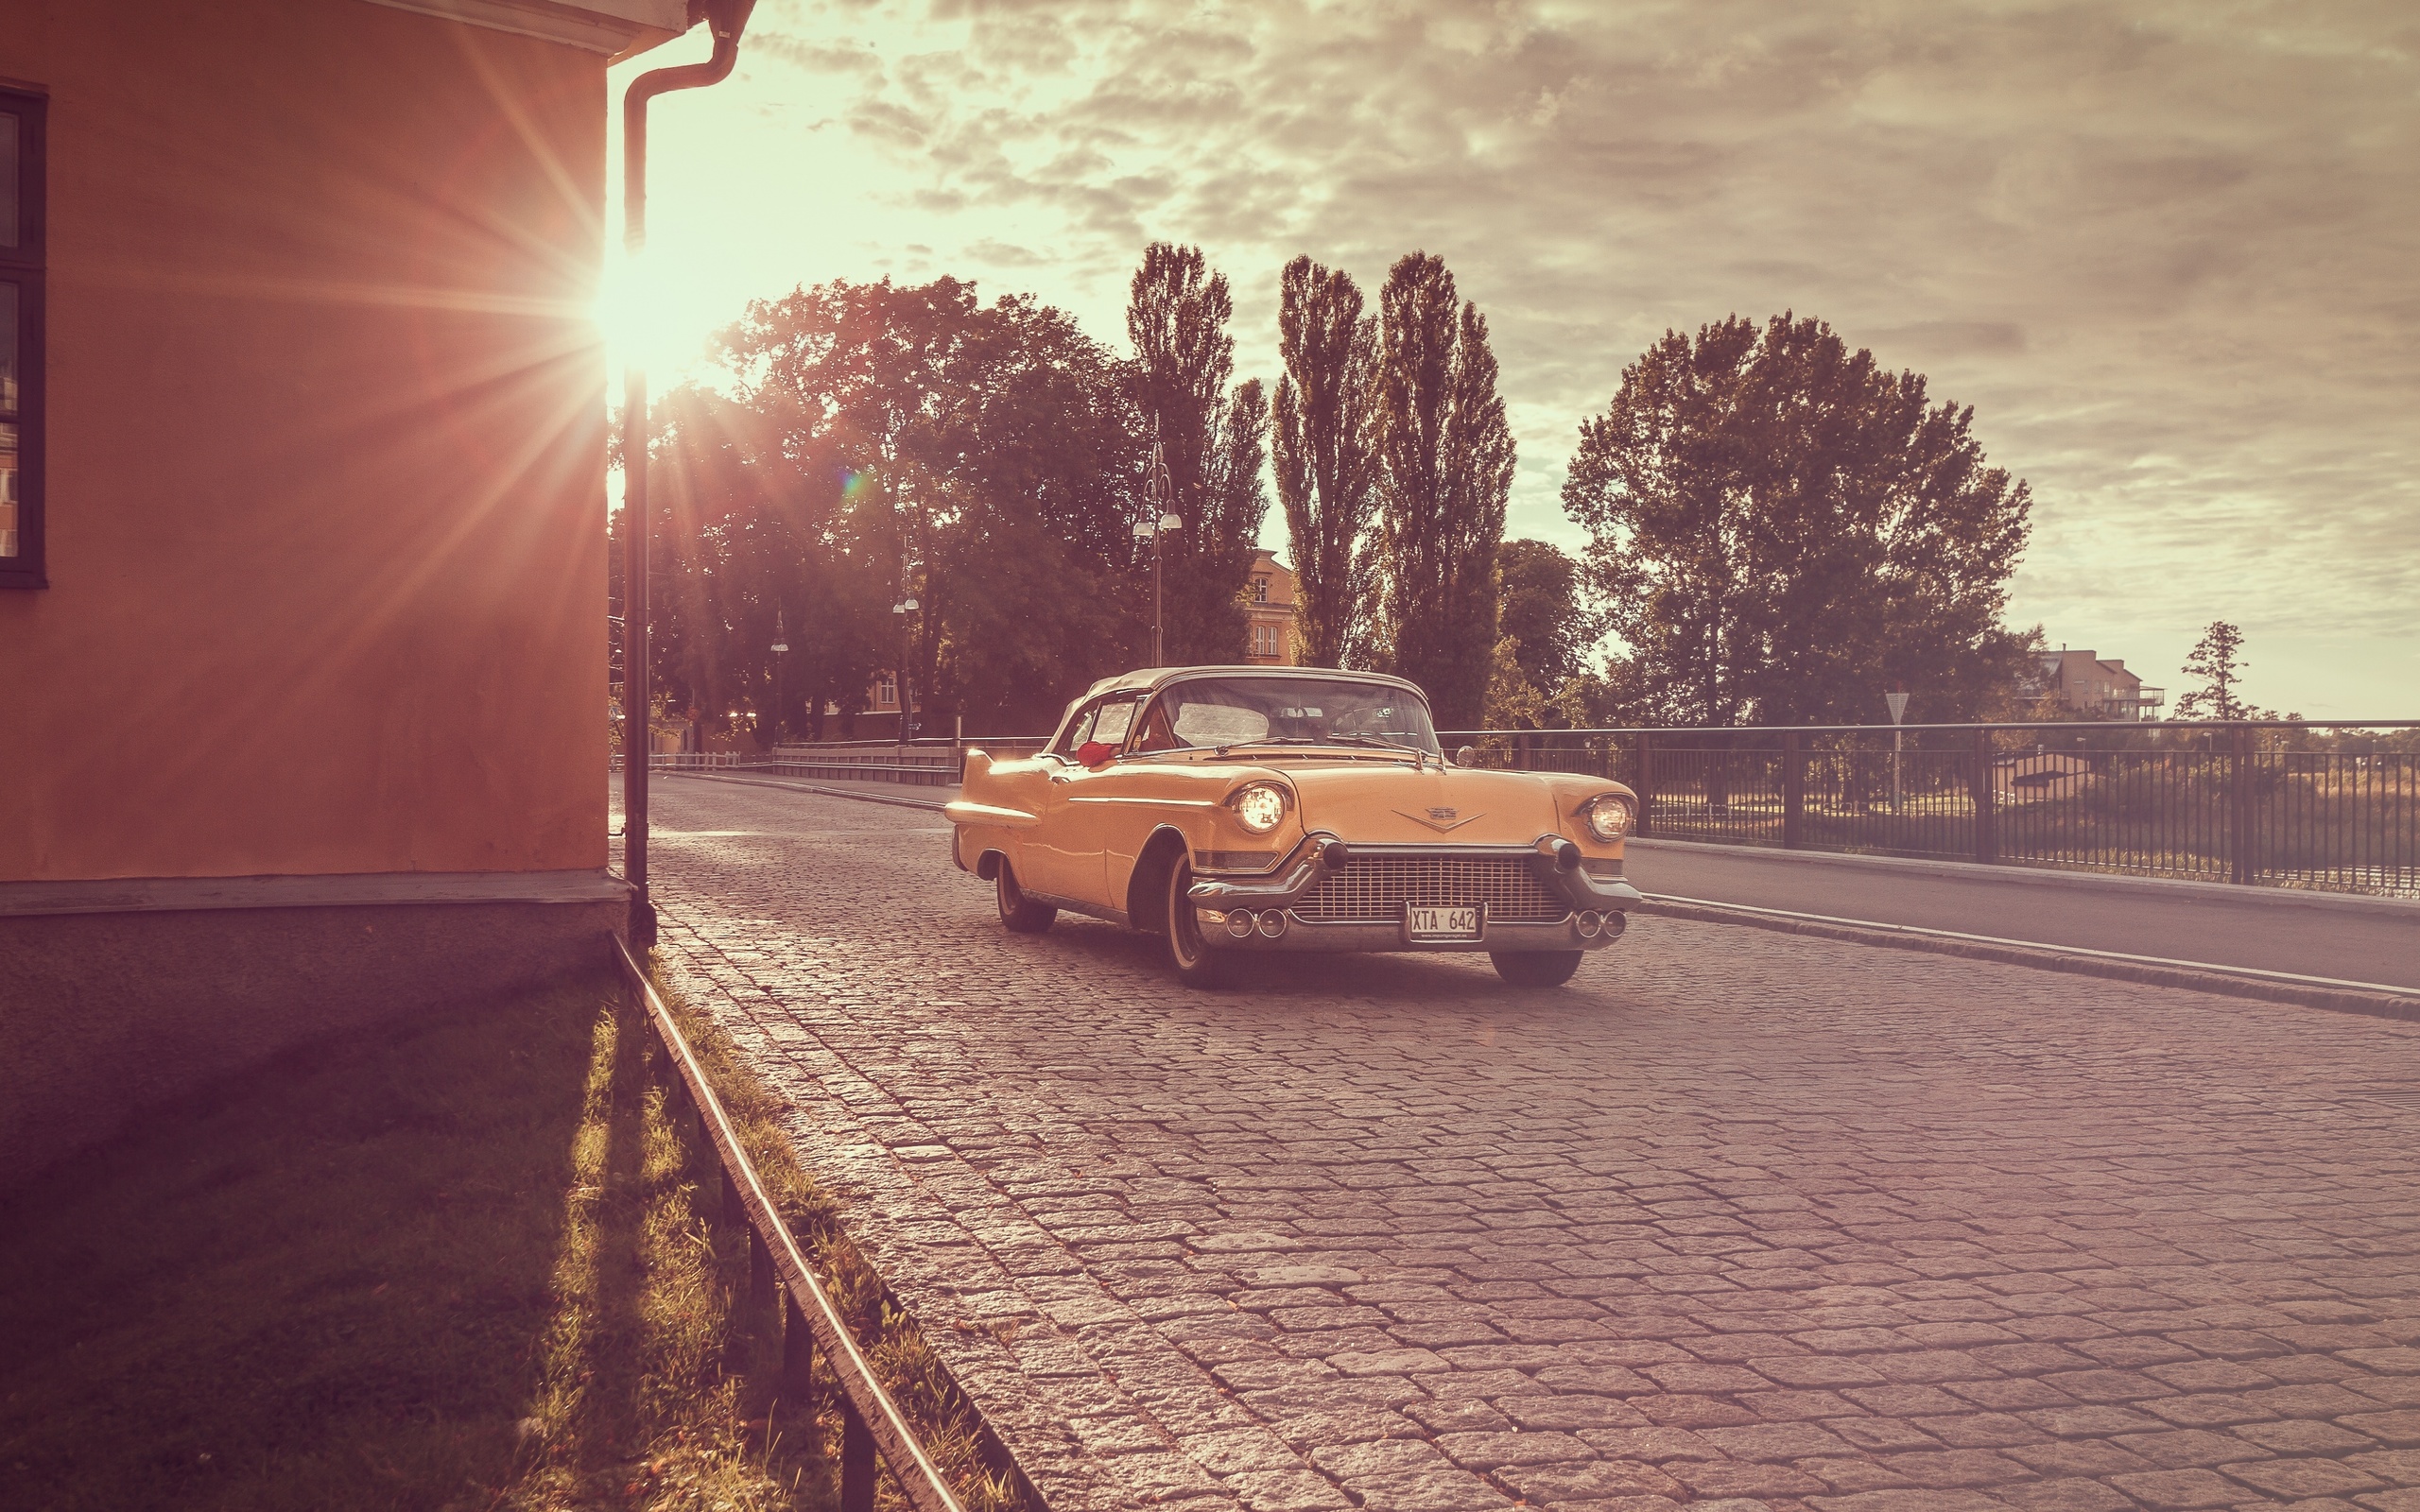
(2326, 934)
(1736, 1220)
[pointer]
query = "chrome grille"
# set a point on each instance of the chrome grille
(1373, 889)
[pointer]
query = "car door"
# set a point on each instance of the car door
(1064, 849)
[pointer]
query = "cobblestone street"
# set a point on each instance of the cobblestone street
(1736, 1220)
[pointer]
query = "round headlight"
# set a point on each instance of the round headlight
(1609, 816)
(1259, 807)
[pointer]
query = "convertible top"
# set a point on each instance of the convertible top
(1151, 679)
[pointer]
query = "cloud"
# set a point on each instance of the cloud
(2164, 248)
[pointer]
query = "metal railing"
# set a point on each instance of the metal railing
(871, 1423)
(682, 760)
(2334, 807)
(919, 764)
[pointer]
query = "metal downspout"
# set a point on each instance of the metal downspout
(727, 19)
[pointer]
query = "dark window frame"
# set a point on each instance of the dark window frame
(25, 265)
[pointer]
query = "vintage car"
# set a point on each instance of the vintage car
(1262, 809)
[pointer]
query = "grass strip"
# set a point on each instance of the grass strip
(455, 1262)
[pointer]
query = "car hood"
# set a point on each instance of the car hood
(1364, 804)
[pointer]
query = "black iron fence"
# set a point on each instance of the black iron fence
(2332, 807)
(2335, 807)
(874, 1430)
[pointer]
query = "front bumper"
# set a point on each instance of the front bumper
(1551, 860)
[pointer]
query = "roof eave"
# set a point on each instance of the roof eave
(615, 28)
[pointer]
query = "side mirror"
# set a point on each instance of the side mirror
(1467, 756)
(1094, 752)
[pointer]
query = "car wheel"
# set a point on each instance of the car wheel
(1197, 965)
(1018, 913)
(1535, 967)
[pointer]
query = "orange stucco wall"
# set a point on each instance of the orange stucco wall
(326, 476)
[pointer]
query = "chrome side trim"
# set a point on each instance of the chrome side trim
(965, 810)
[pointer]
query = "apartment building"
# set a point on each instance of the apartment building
(1268, 604)
(302, 635)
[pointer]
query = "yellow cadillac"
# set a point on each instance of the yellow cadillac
(1232, 810)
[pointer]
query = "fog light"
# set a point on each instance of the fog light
(1614, 924)
(1273, 922)
(1239, 923)
(1590, 923)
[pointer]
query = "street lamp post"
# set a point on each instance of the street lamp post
(1153, 531)
(1898, 702)
(903, 609)
(781, 683)
(1160, 493)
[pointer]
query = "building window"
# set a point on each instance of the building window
(21, 312)
(886, 692)
(1264, 640)
(1260, 590)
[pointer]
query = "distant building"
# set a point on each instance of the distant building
(1269, 600)
(2095, 687)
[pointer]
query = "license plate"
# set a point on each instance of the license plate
(1422, 921)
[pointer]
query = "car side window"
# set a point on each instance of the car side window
(1157, 734)
(1111, 724)
(1079, 731)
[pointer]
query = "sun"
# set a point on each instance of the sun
(644, 317)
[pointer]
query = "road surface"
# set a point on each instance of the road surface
(1739, 1219)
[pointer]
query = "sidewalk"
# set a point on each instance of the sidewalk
(2267, 929)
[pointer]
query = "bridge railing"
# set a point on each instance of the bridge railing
(2334, 807)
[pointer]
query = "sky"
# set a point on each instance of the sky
(2168, 252)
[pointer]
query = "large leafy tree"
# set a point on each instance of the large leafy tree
(892, 441)
(751, 552)
(1327, 466)
(1784, 530)
(1543, 613)
(1446, 461)
(1214, 443)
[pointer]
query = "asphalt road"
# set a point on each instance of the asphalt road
(1739, 1219)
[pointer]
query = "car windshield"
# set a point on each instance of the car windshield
(1236, 710)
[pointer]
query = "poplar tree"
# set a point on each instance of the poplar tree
(1327, 467)
(1214, 443)
(1446, 462)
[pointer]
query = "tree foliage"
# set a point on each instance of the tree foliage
(1783, 530)
(887, 443)
(1215, 444)
(1327, 467)
(2217, 662)
(1446, 462)
(1544, 612)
